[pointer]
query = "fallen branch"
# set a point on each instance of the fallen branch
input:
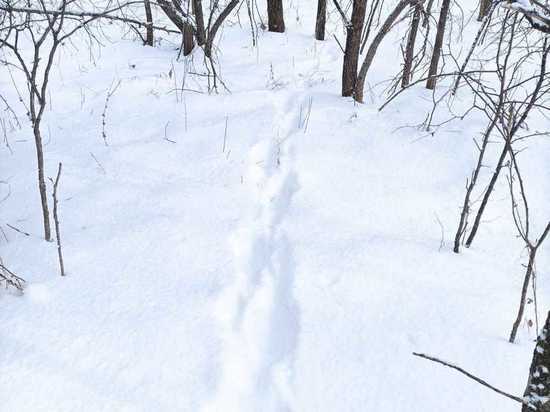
(10, 278)
(469, 375)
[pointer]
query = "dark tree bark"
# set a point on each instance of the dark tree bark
(172, 13)
(473, 180)
(525, 287)
(440, 35)
(427, 14)
(371, 52)
(41, 180)
(213, 29)
(188, 39)
(538, 384)
(275, 16)
(199, 21)
(353, 45)
(179, 18)
(149, 24)
(409, 51)
(484, 7)
(321, 19)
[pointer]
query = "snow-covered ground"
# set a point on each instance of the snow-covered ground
(275, 248)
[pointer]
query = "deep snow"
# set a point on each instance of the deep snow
(276, 248)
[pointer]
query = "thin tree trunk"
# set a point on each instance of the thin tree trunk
(175, 14)
(36, 118)
(321, 19)
(172, 13)
(42, 181)
(484, 6)
(353, 45)
(508, 142)
(149, 24)
(188, 39)
(427, 14)
(525, 287)
(409, 51)
(470, 188)
(199, 20)
(439, 37)
(212, 30)
(275, 16)
(371, 52)
(488, 193)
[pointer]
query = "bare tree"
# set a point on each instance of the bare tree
(495, 115)
(320, 21)
(373, 48)
(409, 49)
(438, 45)
(354, 28)
(46, 31)
(182, 20)
(275, 16)
(214, 24)
(149, 38)
(523, 226)
(45, 34)
(484, 6)
(518, 119)
(199, 19)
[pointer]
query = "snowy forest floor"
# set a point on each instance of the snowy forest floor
(275, 248)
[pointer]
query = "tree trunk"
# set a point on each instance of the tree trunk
(36, 119)
(371, 52)
(149, 27)
(275, 16)
(213, 29)
(199, 20)
(526, 280)
(353, 45)
(488, 192)
(484, 6)
(188, 39)
(409, 51)
(440, 35)
(537, 391)
(321, 19)
(42, 181)
(176, 15)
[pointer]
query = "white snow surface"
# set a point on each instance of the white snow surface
(275, 248)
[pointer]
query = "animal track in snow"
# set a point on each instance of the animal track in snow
(261, 331)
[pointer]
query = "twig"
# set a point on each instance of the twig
(225, 135)
(469, 375)
(110, 94)
(10, 278)
(56, 220)
(98, 163)
(166, 134)
(17, 230)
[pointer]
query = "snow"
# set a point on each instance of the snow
(288, 252)
(524, 5)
